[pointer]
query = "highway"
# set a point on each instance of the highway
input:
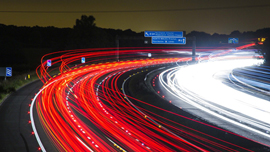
(104, 105)
(211, 91)
(78, 92)
(15, 129)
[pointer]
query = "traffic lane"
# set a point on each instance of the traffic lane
(204, 116)
(15, 129)
(129, 87)
(120, 79)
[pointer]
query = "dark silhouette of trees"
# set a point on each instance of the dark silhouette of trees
(235, 33)
(24, 46)
(86, 34)
(264, 50)
(202, 38)
(85, 22)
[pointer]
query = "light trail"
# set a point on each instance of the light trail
(70, 94)
(203, 86)
(83, 109)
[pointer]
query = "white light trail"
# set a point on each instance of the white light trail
(201, 86)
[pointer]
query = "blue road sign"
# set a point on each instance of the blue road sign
(83, 59)
(168, 40)
(8, 71)
(233, 40)
(49, 63)
(163, 33)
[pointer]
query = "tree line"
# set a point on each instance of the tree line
(24, 46)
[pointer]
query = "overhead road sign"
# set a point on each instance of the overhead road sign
(49, 63)
(168, 40)
(8, 71)
(233, 40)
(163, 33)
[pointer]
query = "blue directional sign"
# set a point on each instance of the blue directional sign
(168, 40)
(233, 40)
(8, 71)
(163, 33)
(83, 59)
(49, 63)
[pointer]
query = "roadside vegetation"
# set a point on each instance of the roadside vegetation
(11, 84)
(264, 50)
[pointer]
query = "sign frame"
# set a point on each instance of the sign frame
(49, 63)
(8, 71)
(169, 40)
(233, 40)
(164, 33)
(83, 60)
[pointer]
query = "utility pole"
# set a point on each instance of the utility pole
(117, 48)
(193, 48)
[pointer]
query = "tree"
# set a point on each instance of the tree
(264, 50)
(85, 22)
(87, 35)
(236, 33)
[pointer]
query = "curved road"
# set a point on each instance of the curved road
(15, 129)
(123, 123)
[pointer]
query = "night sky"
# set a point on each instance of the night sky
(211, 16)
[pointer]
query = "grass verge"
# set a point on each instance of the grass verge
(13, 83)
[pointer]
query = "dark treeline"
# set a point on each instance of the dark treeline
(22, 47)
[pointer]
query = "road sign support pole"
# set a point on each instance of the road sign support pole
(5, 78)
(117, 48)
(193, 48)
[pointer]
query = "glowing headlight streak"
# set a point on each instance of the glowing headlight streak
(256, 79)
(196, 84)
(156, 122)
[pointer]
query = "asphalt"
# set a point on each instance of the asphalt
(194, 113)
(213, 119)
(15, 129)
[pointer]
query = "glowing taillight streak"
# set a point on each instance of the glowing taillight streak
(32, 118)
(155, 122)
(87, 93)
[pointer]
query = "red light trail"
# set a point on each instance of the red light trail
(84, 109)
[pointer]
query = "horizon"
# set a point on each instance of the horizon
(211, 17)
(140, 31)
